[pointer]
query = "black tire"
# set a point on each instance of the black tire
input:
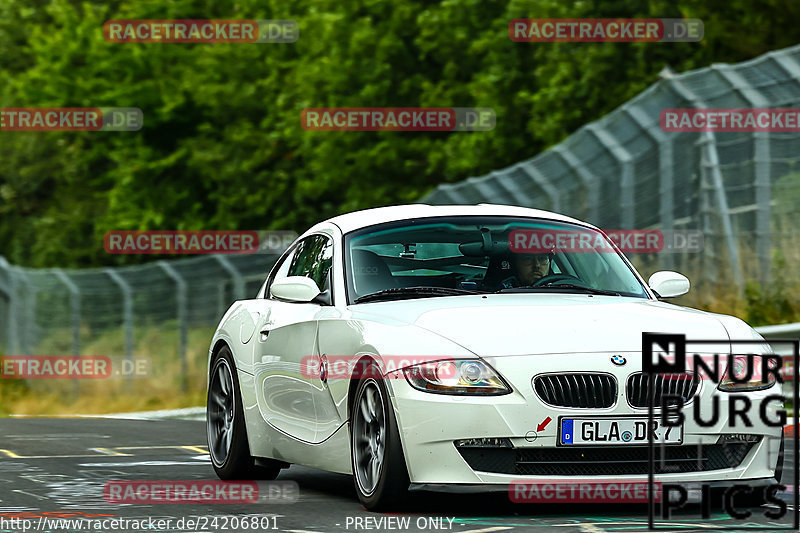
(779, 466)
(231, 461)
(391, 490)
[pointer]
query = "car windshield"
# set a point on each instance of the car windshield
(462, 255)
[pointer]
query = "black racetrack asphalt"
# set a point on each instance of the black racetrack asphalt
(55, 469)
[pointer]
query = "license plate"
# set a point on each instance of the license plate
(617, 431)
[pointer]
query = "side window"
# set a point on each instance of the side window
(313, 259)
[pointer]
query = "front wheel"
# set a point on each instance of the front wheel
(227, 434)
(379, 467)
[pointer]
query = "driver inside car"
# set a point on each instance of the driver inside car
(527, 269)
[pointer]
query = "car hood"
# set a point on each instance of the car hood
(520, 324)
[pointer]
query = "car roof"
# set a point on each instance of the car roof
(379, 215)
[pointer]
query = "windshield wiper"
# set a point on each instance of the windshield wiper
(546, 286)
(422, 292)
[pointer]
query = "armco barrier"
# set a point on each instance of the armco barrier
(782, 331)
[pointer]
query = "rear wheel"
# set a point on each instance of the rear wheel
(227, 434)
(379, 467)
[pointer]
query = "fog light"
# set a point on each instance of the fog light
(483, 443)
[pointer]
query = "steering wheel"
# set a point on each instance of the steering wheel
(551, 279)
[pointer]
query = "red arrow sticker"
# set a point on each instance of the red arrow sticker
(544, 423)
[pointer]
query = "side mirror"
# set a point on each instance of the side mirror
(668, 284)
(294, 289)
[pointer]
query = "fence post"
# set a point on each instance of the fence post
(449, 192)
(762, 182)
(666, 182)
(238, 280)
(549, 189)
(709, 144)
(222, 305)
(181, 297)
(512, 189)
(75, 308)
(709, 255)
(625, 161)
(588, 179)
(481, 185)
(75, 311)
(722, 204)
(28, 333)
(127, 311)
(9, 289)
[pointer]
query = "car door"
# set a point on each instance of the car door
(287, 361)
(328, 386)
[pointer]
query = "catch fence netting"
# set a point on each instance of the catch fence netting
(621, 172)
(625, 171)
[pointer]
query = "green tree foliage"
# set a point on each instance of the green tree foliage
(775, 302)
(223, 148)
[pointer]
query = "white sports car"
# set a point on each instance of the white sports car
(416, 348)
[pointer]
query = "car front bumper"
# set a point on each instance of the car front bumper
(431, 423)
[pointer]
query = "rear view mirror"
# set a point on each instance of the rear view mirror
(668, 284)
(294, 289)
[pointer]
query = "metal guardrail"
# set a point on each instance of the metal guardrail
(782, 331)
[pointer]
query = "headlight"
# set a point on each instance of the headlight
(467, 376)
(748, 376)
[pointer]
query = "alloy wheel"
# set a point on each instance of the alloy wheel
(221, 412)
(369, 435)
